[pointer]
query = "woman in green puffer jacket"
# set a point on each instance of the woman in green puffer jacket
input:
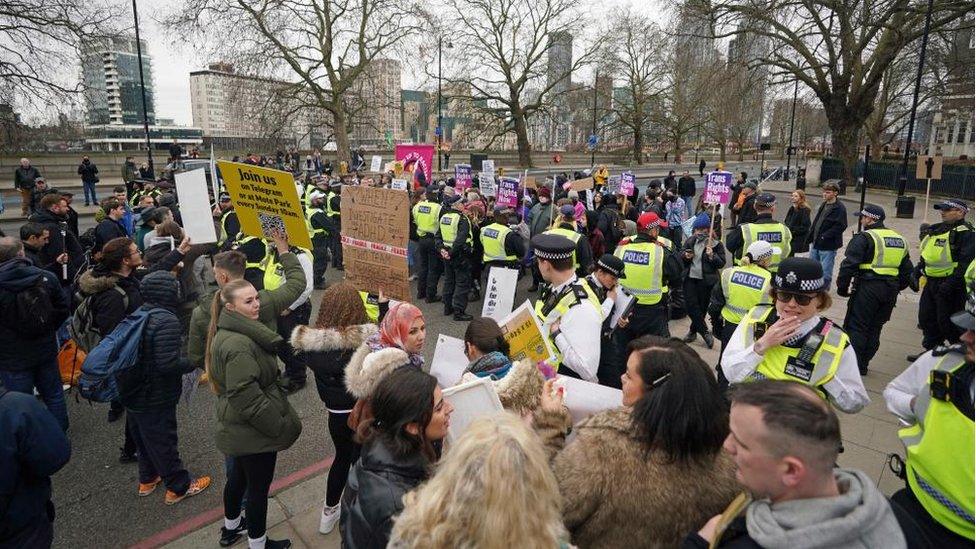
(254, 419)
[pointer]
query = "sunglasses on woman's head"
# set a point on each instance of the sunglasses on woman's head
(801, 299)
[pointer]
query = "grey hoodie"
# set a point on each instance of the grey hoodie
(860, 517)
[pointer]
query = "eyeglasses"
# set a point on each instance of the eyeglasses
(801, 299)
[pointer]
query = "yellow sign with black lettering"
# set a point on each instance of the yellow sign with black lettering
(265, 200)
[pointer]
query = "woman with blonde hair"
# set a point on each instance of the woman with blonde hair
(493, 490)
(255, 421)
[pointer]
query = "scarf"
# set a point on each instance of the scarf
(494, 365)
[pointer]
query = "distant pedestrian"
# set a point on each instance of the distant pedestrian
(89, 176)
(686, 190)
(798, 222)
(701, 168)
(24, 177)
(827, 234)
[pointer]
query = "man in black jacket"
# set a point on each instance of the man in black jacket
(110, 227)
(24, 177)
(827, 232)
(41, 189)
(686, 190)
(89, 176)
(61, 240)
(69, 213)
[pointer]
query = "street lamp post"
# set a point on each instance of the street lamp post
(789, 149)
(440, 114)
(142, 82)
(596, 77)
(903, 178)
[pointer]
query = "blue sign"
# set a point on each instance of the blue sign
(438, 131)
(592, 140)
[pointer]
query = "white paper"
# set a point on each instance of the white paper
(377, 163)
(486, 183)
(488, 167)
(584, 398)
(499, 292)
(191, 187)
(449, 361)
(398, 184)
(620, 305)
(471, 401)
(589, 200)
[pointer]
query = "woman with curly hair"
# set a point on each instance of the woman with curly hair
(493, 490)
(341, 327)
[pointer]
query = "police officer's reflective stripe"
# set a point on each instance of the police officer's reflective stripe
(449, 229)
(328, 204)
(312, 231)
(756, 314)
(644, 267)
(565, 302)
(889, 251)
(828, 354)
(937, 253)
(493, 241)
(777, 234)
(570, 234)
(274, 271)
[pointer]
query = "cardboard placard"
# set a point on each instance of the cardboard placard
(613, 185)
(581, 184)
(508, 195)
(462, 177)
(584, 398)
(523, 332)
(198, 223)
(921, 167)
(449, 361)
(376, 164)
(375, 230)
(471, 401)
(718, 188)
(265, 200)
(499, 292)
(529, 182)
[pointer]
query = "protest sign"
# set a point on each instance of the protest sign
(589, 200)
(449, 361)
(627, 182)
(376, 164)
(584, 398)
(399, 184)
(499, 292)
(471, 401)
(508, 195)
(613, 185)
(265, 200)
(529, 182)
(462, 177)
(581, 184)
(375, 230)
(416, 158)
(191, 188)
(718, 188)
(523, 332)
(488, 167)
(486, 183)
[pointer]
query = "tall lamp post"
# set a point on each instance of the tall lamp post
(903, 178)
(789, 149)
(142, 87)
(440, 108)
(596, 77)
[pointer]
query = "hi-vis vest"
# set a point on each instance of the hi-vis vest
(425, 215)
(644, 267)
(274, 272)
(889, 251)
(307, 197)
(259, 264)
(744, 287)
(778, 236)
(779, 362)
(939, 449)
(493, 241)
(571, 295)
(449, 228)
(970, 275)
(329, 211)
(570, 234)
(313, 232)
(372, 304)
(937, 254)
(223, 228)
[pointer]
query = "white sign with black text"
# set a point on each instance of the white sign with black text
(499, 293)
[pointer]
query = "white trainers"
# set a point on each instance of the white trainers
(330, 516)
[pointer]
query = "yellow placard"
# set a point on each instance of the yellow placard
(264, 200)
(523, 332)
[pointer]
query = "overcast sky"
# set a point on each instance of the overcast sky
(172, 63)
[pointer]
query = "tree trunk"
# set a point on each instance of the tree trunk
(638, 145)
(845, 140)
(677, 150)
(742, 147)
(339, 122)
(721, 151)
(522, 139)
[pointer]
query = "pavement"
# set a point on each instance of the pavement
(95, 496)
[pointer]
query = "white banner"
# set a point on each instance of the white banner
(191, 188)
(486, 183)
(584, 398)
(499, 293)
(449, 361)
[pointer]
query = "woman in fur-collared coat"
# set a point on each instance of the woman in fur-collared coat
(646, 474)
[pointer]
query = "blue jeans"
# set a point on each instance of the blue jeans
(45, 376)
(826, 260)
(689, 204)
(89, 191)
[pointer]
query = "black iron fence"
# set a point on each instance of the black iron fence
(957, 180)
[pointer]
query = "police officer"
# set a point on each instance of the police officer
(568, 308)
(332, 210)
(934, 398)
(255, 251)
(318, 225)
(604, 281)
(455, 242)
(230, 226)
(502, 246)
(741, 288)
(426, 216)
(651, 267)
(763, 228)
(298, 313)
(565, 225)
(376, 305)
(877, 261)
(946, 251)
(790, 341)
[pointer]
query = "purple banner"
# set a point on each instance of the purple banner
(462, 177)
(718, 188)
(508, 195)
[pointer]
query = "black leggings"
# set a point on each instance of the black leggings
(347, 452)
(252, 473)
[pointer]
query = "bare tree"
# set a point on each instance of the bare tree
(689, 78)
(840, 50)
(732, 108)
(324, 46)
(501, 48)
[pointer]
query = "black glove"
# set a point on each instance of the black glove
(914, 280)
(844, 288)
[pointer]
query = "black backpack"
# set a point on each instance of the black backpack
(31, 312)
(88, 239)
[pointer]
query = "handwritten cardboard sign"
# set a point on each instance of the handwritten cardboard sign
(581, 184)
(265, 200)
(375, 231)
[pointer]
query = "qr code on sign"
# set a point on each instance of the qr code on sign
(270, 224)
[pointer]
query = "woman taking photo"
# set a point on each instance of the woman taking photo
(494, 490)
(792, 342)
(411, 415)
(798, 222)
(342, 326)
(254, 419)
(655, 464)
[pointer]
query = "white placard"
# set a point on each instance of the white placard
(621, 305)
(486, 183)
(471, 401)
(191, 188)
(583, 398)
(376, 164)
(488, 167)
(449, 361)
(398, 184)
(589, 200)
(499, 292)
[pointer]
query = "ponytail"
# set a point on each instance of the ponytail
(746, 260)
(221, 297)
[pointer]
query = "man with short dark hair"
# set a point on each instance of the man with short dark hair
(128, 217)
(69, 213)
(686, 190)
(110, 227)
(89, 176)
(41, 189)
(35, 236)
(827, 232)
(784, 440)
(53, 216)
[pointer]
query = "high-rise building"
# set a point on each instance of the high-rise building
(559, 77)
(376, 99)
(113, 91)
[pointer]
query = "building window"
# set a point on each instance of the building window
(961, 137)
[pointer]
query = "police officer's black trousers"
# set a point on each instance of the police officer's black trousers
(645, 320)
(611, 366)
(937, 304)
(429, 267)
(457, 282)
(335, 248)
(697, 294)
(868, 309)
(320, 258)
(294, 362)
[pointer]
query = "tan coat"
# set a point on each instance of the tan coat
(615, 497)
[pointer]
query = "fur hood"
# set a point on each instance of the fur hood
(367, 368)
(90, 284)
(617, 422)
(308, 339)
(519, 390)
